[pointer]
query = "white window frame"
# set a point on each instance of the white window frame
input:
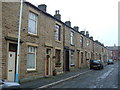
(57, 33)
(36, 21)
(72, 38)
(29, 47)
(81, 41)
(88, 42)
(72, 58)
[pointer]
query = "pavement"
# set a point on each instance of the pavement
(47, 82)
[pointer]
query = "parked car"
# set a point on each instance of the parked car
(6, 85)
(110, 61)
(96, 64)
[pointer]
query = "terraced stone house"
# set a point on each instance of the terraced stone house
(48, 46)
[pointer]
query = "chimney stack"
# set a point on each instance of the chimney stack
(68, 23)
(42, 7)
(91, 37)
(83, 32)
(87, 33)
(57, 15)
(76, 28)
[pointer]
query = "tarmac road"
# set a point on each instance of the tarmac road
(105, 78)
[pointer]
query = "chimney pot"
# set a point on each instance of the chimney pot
(57, 15)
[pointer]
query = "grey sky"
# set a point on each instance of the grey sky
(99, 17)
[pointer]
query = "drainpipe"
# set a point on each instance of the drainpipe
(18, 48)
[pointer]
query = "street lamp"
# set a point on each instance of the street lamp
(18, 48)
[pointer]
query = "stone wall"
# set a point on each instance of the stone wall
(0, 39)
(44, 39)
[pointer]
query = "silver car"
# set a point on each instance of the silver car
(4, 84)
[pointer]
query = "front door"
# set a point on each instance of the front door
(78, 57)
(11, 66)
(66, 60)
(47, 62)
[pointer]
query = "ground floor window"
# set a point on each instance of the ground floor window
(57, 60)
(72, 63)
(31, 58)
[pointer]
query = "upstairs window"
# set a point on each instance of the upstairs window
(81, 42)
(88, 42)
(72, 38)
(57, 34)
(32, 23)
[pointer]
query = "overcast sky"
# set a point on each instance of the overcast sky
(99, 17)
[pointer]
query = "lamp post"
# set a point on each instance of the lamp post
(18, 47)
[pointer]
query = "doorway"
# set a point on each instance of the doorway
(12, 61)
(78, 58)
(47, 62)
(66, 64)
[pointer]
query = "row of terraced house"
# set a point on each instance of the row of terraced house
(48, 46)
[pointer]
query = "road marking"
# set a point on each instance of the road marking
(54, 83)
(105, 74)
(100, 78)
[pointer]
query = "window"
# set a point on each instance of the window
(72, 38)
(81, 57)
(32, 23)
(72, 58)
(88, 42)
(102, 50)
(31, 58)
(81, 42)
(57, 34)
(57, 55)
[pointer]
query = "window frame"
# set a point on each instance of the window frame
(31, 69)
(72, 58)
(56, 59)
(72, 38)
(88, 42)
(57, 32)
(81, 42)
(36, 22)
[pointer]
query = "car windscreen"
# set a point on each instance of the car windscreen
(96, 61)
(110, 60)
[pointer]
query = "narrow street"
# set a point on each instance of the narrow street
(106, 78)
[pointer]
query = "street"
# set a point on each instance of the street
(105, 78)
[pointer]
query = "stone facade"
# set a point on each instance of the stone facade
(45, 39)
(0, 39)
(46, 46)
